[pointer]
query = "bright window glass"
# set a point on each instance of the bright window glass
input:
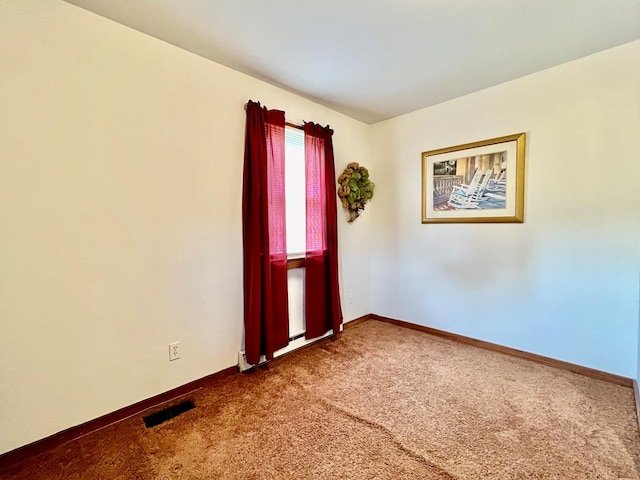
(295, 191)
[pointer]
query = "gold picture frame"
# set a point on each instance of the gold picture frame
(479, 182)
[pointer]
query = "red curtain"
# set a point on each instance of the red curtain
(322, 293)
(266, 313)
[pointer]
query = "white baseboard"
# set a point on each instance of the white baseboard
(243, 365)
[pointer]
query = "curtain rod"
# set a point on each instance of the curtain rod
(294, 125)
(288, 124)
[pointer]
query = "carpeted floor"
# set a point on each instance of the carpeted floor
(378, 402)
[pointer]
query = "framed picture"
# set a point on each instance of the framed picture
(475, 182)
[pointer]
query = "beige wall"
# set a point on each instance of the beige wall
(563, 284)
(120, 209)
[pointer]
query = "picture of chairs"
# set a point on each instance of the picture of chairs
(484, 191)
(477, 182)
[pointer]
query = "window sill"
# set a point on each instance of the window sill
(295, 262)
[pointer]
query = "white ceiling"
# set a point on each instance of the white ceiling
(375, 59)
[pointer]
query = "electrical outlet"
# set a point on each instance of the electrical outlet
(174, 351)
(350, 298)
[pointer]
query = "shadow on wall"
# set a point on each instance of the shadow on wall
(481, 256)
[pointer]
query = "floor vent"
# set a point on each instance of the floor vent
(168, 413)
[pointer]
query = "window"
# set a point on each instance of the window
(294, 182)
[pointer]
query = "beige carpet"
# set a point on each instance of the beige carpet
(379, 402)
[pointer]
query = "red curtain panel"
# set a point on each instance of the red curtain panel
(266, 313)
(322, 294)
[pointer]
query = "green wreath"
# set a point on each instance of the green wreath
(355, 189)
